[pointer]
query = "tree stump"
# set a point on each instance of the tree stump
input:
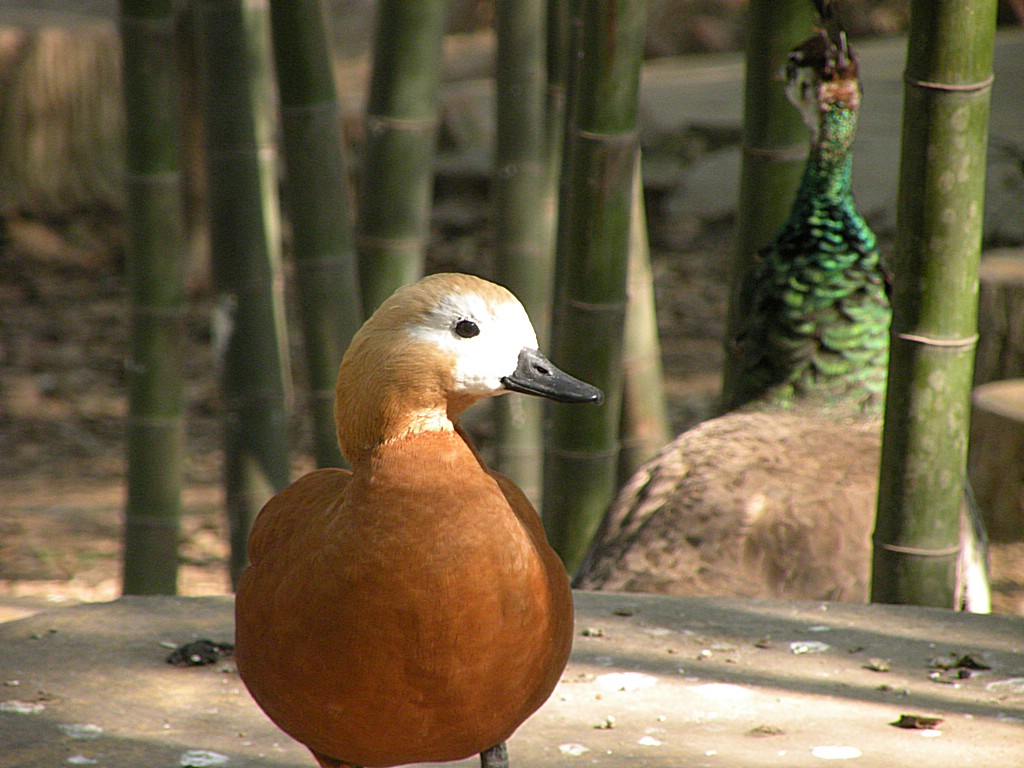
(1001, 317)
(996, 457)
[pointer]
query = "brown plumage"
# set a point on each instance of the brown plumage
(410, 610)
(752, 504)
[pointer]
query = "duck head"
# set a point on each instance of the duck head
(433, 349)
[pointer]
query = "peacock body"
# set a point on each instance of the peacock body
(776, 497)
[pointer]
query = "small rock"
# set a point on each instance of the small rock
(878, 665)
(573, 749)
(202, 758)
(22, 707)
(80, 730)
(836, 753)
(625, 681)
(800, 647)
(1011, 686)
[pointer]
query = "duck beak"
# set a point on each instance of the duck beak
(535, 375)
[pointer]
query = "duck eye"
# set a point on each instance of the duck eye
(467, 329)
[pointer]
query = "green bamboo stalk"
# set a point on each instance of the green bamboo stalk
(934, 328)
(581, 451)
(775, 145)
(317, 192)
(155, 438)
(234, 49)
(396, 181)
(524, 204)
(645, 426)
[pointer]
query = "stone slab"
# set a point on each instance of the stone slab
(653, 681)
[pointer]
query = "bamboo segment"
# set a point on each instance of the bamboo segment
(774, 147)
(934, 328)
(317, 191)
(396, 181)
(245, 248)
(155, 438)
(581, 451)
(524, 204)
(645, 423)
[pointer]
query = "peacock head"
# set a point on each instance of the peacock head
(821, 75)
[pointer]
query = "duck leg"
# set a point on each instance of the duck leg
(330, 762)
(495, 757)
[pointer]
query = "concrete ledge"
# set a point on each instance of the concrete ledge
(654, 681)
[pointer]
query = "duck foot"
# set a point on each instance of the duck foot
(495, 757)
(331, 762)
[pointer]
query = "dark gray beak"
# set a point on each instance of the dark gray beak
(535, 375)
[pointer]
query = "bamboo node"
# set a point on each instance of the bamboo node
(376, 123)
(963, 343)
(375, 242)
(919, 552)
(930, 85)
(788, 152)
(151, 179)
(151, 523)
(571, 454)
(613, 307)
(617, 137)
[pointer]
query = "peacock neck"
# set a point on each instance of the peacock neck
(828, 172)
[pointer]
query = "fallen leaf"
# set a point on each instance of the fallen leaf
(958, 661)
(918, 722)
(760, 731)
(199, 653)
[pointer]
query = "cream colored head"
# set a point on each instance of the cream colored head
(432, 349)
(479, 326)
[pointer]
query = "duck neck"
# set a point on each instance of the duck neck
(369, 417)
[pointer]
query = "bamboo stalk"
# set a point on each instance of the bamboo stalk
(317, 190)
(581, 451)
(645, 424)
(775, 143)
(155, 438)
(524, 204)
(245, 252)
(938, 243)
(396, 181)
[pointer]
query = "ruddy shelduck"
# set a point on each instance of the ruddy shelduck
(411, 610)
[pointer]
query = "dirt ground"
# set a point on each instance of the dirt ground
(63, 325)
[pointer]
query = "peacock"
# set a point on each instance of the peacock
(817, 299)
(776, 497)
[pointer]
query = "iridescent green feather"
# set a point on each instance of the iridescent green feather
(817, 300)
